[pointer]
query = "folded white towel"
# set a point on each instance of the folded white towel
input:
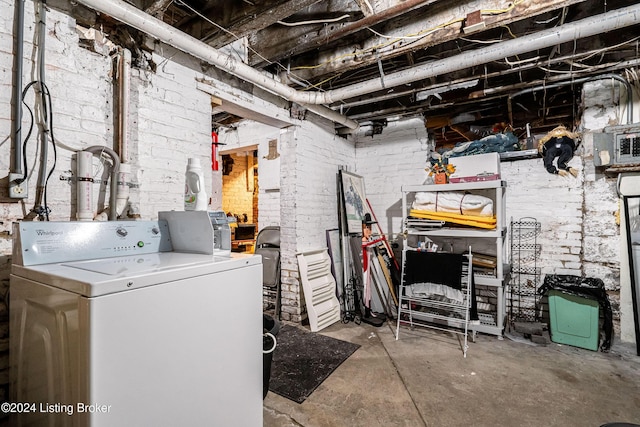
(453, 202)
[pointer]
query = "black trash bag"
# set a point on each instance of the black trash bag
(270, 328)
(585, 287)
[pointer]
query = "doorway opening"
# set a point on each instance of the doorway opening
(240, 196)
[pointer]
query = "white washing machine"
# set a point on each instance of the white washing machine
(111, 326)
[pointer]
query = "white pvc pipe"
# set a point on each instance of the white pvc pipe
(84, 184)
(124, 80)
(122, 196)
(113, 184)
(130, 15)
(619, 18)
(166, 33)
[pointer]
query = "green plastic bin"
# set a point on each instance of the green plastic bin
(574, 320)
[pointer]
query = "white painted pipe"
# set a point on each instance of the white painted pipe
(166, 33)
(84, 184)
(122, 197)
(124, 82)
(602, 23)
(619, 18)
(113, 185)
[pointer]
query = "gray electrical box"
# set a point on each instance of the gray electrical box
(603, 154)
(627, 146)
(617, 145)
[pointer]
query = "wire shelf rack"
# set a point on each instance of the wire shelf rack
(525, 271)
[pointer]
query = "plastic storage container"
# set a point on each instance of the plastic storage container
(574, 320)
(576, 305)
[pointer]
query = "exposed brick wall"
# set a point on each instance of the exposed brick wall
(388, 161)
(308, 201)
(579, 233)
(169, 122)
(237, 197)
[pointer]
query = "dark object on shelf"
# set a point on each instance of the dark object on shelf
(245, 232)
(588, 288)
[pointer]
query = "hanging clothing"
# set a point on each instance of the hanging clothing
(440, 268)
(560, 143)
(562, 148)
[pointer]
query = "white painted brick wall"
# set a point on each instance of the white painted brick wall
(308, 199)
(81, 87)
(171, 123)
(79, 100)
(318, 157)
(255, 135)
(306, 204)
(554, 201)
(579, 235)
(388, 161)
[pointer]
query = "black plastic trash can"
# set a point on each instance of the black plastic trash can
(585, 289)
(270, 328)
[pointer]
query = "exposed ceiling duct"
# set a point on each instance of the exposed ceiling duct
(316, 100)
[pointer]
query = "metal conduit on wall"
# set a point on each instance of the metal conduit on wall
(40, 200)
(17, 88)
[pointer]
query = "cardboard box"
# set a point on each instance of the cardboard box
(480, 167)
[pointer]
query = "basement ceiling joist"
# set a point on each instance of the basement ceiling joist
(324, 45)
(430, 25)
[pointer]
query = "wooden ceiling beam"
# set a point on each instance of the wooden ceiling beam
(311, 38)
(405, 28)
(239, 19)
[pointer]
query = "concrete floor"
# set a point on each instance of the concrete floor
(423, 380)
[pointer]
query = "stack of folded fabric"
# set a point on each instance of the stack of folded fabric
(455, 207)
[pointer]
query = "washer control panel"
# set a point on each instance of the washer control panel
(48, 242)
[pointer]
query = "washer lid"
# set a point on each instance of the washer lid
(135, 265)
(110, 275)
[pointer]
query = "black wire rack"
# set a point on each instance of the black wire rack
(525, 270)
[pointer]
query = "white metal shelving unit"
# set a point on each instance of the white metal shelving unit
(494, 323)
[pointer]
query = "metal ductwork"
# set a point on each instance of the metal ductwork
(156, 28)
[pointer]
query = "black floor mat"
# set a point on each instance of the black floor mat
(303, 360)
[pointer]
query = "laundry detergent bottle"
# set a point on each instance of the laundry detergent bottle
(195, 197)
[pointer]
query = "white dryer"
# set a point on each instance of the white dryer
(109, 326)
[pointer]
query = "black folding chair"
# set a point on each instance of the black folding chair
(268, 245)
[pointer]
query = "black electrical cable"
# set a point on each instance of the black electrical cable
(53, 143)
(26, 138)
(48, 117)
